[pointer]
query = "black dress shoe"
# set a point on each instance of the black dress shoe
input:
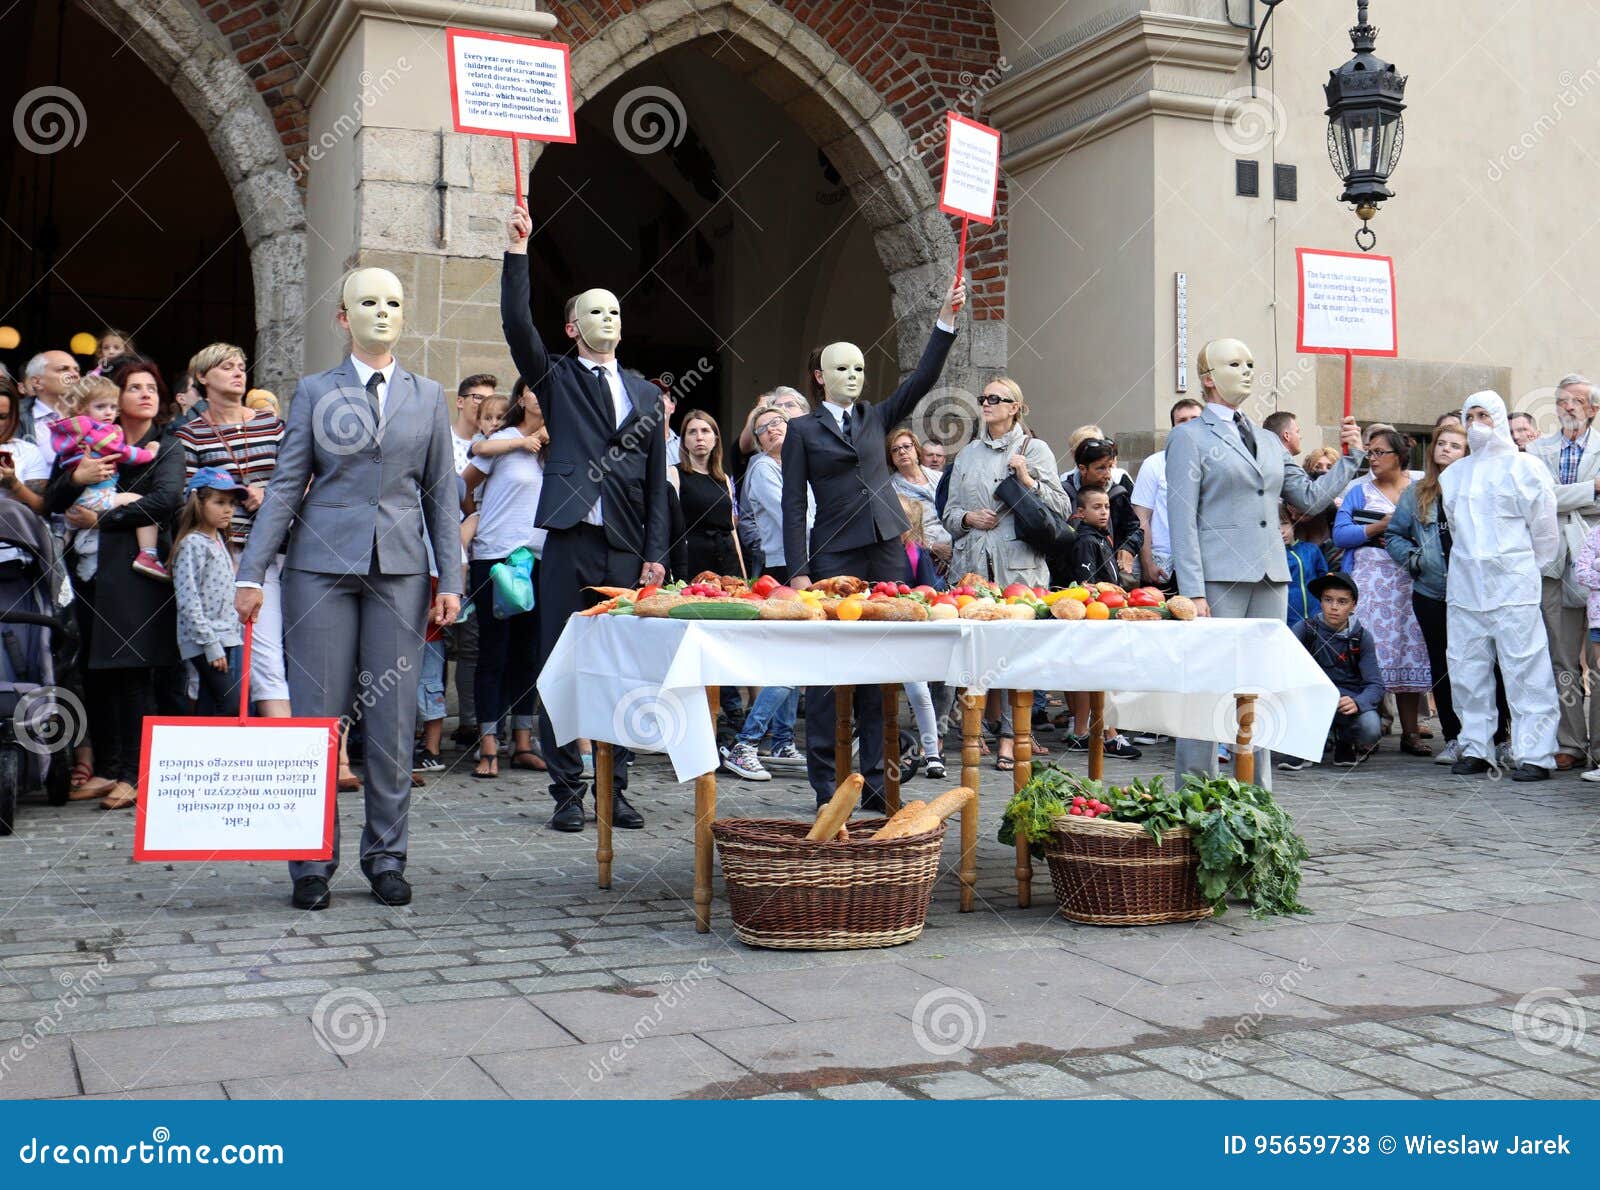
(311, 892)
(623, 815)
(1469, 766)
(568, 815)
(1530, 772)
(391, 888)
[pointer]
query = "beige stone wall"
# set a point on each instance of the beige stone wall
(1492, 228)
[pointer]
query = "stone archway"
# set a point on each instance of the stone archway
(842, 113)
(183, 48)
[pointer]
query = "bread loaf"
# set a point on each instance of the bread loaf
(789, 609)
(1181, 607)
(1067, 609)
(978, 610)
(1138, 613)
(657, 605)
(900, 610)
(837, 812)
(917, 819)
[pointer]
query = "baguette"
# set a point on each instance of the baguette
(837, 812)
(916, 818)
(659, 604)
(901, 816)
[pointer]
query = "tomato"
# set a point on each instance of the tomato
(1113, 599)
(764, 585)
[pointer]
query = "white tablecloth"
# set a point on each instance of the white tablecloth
(641, 682)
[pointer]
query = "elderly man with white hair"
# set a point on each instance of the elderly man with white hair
(1572, 455)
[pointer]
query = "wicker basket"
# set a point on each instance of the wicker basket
(793, 894)
(1109, 873)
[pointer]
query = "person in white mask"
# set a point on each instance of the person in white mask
(1500, 506)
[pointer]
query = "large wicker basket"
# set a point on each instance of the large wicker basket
(792, 894)
(1109, 873)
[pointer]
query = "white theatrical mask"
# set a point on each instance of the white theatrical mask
(1227, 369)
(597, 315)
(372, 309)
(844, 373)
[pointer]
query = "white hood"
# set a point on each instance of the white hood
(1500, 441)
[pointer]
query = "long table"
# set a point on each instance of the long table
(653, 685)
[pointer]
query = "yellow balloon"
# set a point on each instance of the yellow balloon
(83, 343)
(9, 338)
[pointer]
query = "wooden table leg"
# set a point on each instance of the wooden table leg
(1021, 774)
(971, 734)
(844, 698)
(603, 795)
(1244, 759)
(891, 745)
(1097, 735)
(705, 812)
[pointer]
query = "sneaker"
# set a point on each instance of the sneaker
(1146, 739)
(147, 564)
(1346, 756)
(934, 767)
(1450, 753)
(785, 756)
(1590, 775)
(1295, 764)
(1041, 721)
(1075, 743)
(423, 761)
(1119, 747)
(741, 760)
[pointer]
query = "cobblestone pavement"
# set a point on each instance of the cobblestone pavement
(1452, 953)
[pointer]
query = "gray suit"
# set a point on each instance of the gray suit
(1222, 510)
(1563, 601)
(381, 498)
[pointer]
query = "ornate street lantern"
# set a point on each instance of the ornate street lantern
(1365, 130)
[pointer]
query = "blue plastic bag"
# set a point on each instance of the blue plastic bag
(512, 581)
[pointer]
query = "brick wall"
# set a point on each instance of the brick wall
(257, 32)
(924, 57)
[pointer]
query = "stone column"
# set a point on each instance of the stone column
(390, 185)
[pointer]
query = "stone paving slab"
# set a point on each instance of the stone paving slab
(1438, 905)
(438, 1078)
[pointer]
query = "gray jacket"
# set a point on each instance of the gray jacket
(997, 553)
(1577, 507)
(371, 488)
(1222, 504)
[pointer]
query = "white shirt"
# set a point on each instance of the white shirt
(29, 465)
(838, 412)
(462, 449)
(1226, 412)
(364, 373)
(1150, 491)
(621, 406)
(43, 418)
(507, 501)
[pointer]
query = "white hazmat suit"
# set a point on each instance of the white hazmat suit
(1501, 509)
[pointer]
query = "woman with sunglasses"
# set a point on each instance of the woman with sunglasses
(1386, 595)
(983, 532)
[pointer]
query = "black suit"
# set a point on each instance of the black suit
(591, 458)
(856, 532)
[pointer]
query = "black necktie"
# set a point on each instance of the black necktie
(845, 424)
(605, 391)
(1246, 434)
(372, 396)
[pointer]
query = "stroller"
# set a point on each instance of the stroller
(38, 719)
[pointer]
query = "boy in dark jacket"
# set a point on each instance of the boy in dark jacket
(1306, 564)
(1092, 558)
(1343, 648)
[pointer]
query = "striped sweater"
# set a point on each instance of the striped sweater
(247, 451)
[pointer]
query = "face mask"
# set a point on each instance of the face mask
(374, 306)
(1479, 436)
(844, 372)
(598, 317)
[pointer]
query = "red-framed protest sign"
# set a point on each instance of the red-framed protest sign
(1347, 307)
(502, 85)
(971, 175)
(215, 789)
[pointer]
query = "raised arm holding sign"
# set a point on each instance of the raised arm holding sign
(971, 175)
(510, 86)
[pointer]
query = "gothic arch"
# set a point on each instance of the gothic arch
(181, 46)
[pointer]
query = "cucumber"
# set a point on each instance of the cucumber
(716, 609)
